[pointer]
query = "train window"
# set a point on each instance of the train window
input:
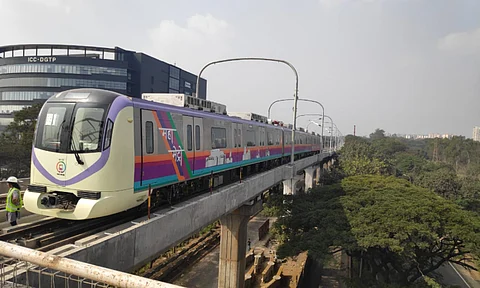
(197, 137)
(189, 138)
(270, 138)
(219, 138)
(250, 138)
(239, 137)
(235, 137)
(108, 134)
(149, 137)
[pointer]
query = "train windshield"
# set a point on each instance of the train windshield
(71, 127)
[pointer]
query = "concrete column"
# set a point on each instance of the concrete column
(233, 246)
(289, 186)
(309, 178)
(317, 176)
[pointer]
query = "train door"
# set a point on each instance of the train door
(282, 141)
(188, 139)
(198, 142)
(237, 143)
(149, 141)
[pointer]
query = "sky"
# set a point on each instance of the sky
(405, 66)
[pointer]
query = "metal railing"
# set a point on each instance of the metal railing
(24, 267)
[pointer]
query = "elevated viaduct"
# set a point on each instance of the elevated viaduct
(134, 244)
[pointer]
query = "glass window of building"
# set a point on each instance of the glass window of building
(174, 72)
(5, 121)
(62, 69)
(7, 109)
(24, 95)
(174, 84)
(61, 82)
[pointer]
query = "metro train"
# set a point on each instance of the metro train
(98, 153)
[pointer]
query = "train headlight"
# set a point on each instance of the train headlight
(44, 201)
(49, 201)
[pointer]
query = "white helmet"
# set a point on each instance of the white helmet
(12, 179)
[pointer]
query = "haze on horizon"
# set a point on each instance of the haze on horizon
(406, 66)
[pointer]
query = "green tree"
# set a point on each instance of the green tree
(409, 165)
(387, 147)
(358, 157)
(16, 141)
(443, 181)
(401, 231)
(378, 134)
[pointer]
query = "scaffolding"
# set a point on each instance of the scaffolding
(24, 267)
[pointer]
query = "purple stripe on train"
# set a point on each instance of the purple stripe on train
(165, 168)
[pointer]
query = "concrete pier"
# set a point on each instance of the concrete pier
(318, 174)
(204, 274)
(233, 241)
(309, 178)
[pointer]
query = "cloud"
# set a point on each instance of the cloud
(464, 43)
(333, 3)
(50, 3)
(203, 39)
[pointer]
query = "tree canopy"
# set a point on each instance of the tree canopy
(378, 134)
(16, 142)
(400, 230)
(391, 206)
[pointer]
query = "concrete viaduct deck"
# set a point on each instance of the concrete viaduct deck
(132, 245)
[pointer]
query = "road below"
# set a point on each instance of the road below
(453, 274)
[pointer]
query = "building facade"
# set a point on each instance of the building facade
(476, 133)
(32, 73)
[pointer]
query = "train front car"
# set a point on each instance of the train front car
(83, 156)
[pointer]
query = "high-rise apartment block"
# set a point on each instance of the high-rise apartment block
(476, 133)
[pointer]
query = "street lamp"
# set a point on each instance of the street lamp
(323, 122)
(197, 88)
(304, 100)
(337, 136)
(330, 130)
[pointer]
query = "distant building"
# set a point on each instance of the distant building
(429, 136)
(32, 73)
(476, 133)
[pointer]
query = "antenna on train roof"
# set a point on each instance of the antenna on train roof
(187, 101)
(249, 116)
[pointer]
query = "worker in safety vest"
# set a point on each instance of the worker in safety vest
(14, 201)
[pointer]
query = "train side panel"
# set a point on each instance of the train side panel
(187, 147)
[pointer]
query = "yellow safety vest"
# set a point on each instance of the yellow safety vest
(10, 207)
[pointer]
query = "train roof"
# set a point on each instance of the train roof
(85, 95)
(141, 103)
(107, 97)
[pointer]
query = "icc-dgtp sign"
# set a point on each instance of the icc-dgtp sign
(46, 59)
